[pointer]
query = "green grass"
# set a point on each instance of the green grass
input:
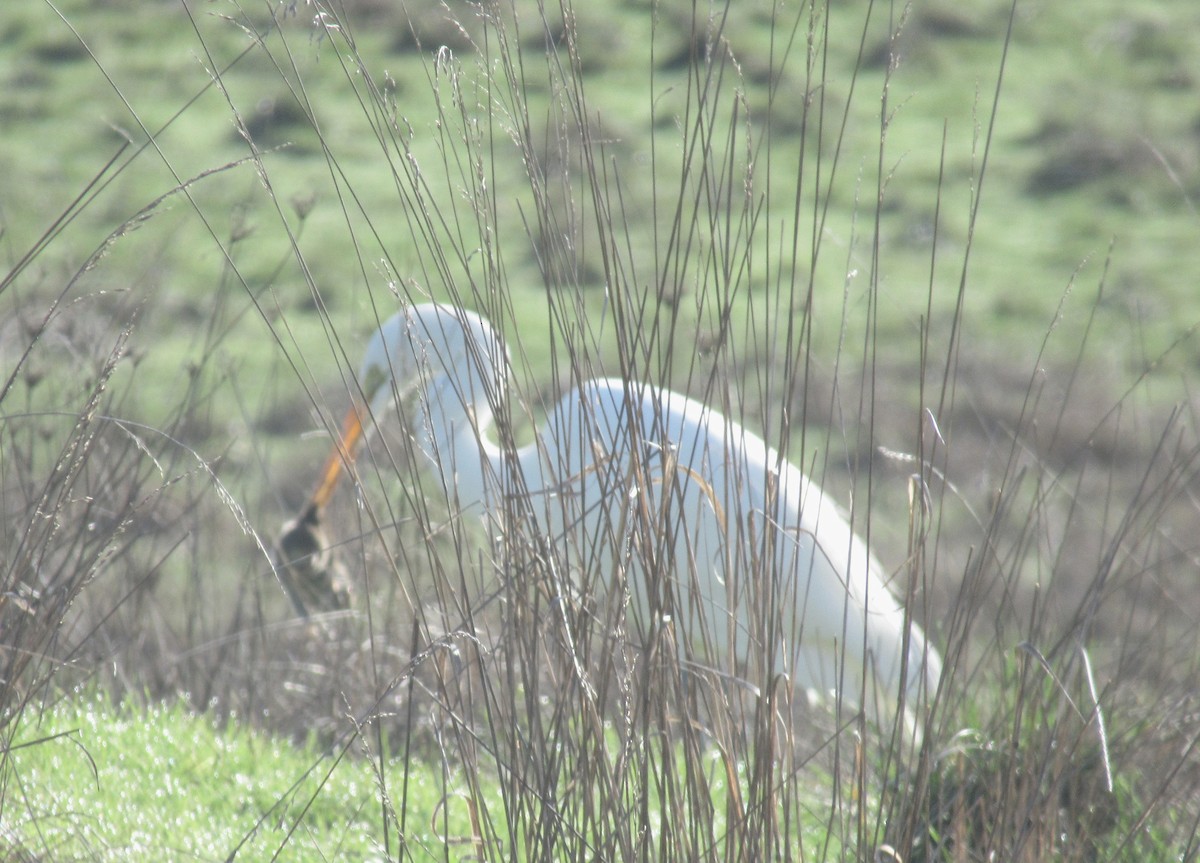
(1061, 95)
(87, 780)
(179, 389)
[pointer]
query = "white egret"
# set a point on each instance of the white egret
(704, 527)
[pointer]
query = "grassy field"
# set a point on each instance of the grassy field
(945, 255)
(163, 783)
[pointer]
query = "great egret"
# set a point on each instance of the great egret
(690, 517)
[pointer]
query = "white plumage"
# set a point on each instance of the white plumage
(745, 557)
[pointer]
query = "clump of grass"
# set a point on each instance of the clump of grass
(1043, 538)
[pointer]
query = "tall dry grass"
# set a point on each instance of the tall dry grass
(1045, 542)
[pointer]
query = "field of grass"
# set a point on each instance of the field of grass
(163, 783)
(943, 254)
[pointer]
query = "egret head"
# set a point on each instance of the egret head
(451, 355)
(449, 358)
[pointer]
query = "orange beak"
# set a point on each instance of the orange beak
(339, 458)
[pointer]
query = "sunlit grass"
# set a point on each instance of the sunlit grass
(1014, 426)
(87, 780)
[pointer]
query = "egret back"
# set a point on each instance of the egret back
(708, 531)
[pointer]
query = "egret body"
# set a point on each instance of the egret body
(656, 498)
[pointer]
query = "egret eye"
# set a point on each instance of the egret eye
(374, 380)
